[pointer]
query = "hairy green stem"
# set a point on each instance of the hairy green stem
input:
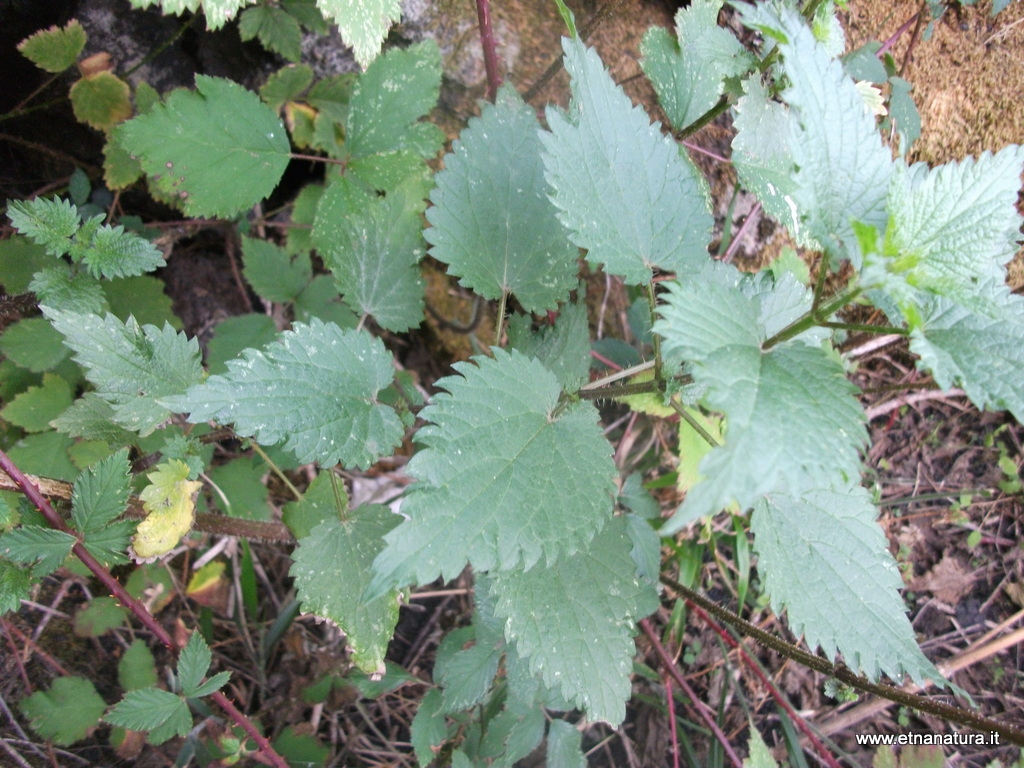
(810, 319)
(276, 470)
(686, 416)
(964, 717)
(499, 321)
(865, 328)
(652, 302)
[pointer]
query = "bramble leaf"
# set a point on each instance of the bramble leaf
(193, 664)
(491, 219)
(837, 165)
(131, 367)
(33, 409)
(197, 149)
(315, 390)
(508, 477)
(272, 273)
(825, 560)
(363, 24)
(99, 496)
(332, 568)
(390, 97)
(277, 30)
(689, 70)
(46, 547)
(625, 192)
(792, 421)
(15, 585)
(170, 502)
(101, 493)
(573, 621)
(372, 246)
(160, 712)
(56, 48)
(101, 100)
(66, 712)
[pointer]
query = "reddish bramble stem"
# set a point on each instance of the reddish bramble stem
(33, 494)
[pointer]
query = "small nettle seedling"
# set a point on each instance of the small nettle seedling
(513, 473)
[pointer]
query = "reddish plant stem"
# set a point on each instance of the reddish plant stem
(490, 46)
(670, 700)
(897, 35)
(823, 753)
(98, 570)
(669, 666)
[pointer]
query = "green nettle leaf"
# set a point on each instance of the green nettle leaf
(363, 23)
(235, 334)
(63, 287)
(199, 151)
(491, 219)
(466, 663)
(160, 712)
(92, 417)
(65, 713)
(508, 476)
(573, 621)
(980, 351)
(101, 100)
(54, 49)
(372, 246)
(131, 366)
(688, 71)
(112, 252)
(332, 568)
(49, 223)
(285, 84)
(564, 348)
(315, 390)
(33, 409)
(389, 98)
(793, 423)
(625, 192)
(838, 166)
(825, 560)
(272, 272)
(277, 30)
(956, 224)
(107, 251)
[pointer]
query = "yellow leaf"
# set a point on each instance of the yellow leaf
(170, 502)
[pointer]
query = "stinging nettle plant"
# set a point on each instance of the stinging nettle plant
(513, 474)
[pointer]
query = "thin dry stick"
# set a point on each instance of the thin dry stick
(216, 524)
(909, 399)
